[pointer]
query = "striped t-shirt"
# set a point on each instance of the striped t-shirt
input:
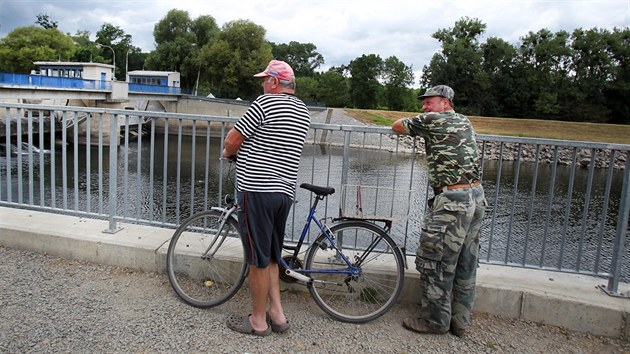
(275, 128)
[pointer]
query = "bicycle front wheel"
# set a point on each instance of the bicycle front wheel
(205, 259)
(377, 278)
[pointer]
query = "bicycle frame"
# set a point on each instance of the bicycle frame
(226, 214)
(301, 274)
(291, 268)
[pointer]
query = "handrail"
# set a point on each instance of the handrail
(136, 168)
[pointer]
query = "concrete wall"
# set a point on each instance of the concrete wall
(211, 107)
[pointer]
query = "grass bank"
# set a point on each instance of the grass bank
(534, 128)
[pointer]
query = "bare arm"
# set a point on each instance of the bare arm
(399, 128)
(232, 143)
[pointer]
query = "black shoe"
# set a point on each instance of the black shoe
(457, 331)
(419, 325)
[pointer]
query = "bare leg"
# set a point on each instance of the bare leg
(259, 288)
(276, 312)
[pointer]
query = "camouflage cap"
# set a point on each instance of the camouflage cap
(439, 90)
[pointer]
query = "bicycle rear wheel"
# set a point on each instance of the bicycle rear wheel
(375, 286)
(205, 260)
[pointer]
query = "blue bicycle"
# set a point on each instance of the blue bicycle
(353, 269)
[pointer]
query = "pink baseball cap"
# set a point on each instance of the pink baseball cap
(279, 69)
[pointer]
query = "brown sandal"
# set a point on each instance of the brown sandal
(242, 325)
(278, 328)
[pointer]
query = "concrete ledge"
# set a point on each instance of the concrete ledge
(568, 300)
(133, 246)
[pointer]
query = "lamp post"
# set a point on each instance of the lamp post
(98, 45)
(127, 65)
(197, 82)
(198, 70)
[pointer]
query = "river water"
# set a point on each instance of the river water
(154, 188)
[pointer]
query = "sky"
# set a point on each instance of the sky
(342, 30)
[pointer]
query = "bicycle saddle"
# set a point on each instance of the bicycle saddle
(319, 190)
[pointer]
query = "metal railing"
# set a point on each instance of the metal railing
(553, 205)
(52, 81)
(154, 89)
(80, 84)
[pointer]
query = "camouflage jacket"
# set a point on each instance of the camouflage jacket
(452, 153)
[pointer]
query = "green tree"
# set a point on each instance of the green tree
(25, 45)
(545, 57)
(591, 69)
(499, 58)
(334, 89)
(459, 64)
(230, 61)
(174, 25)
(397, 77)
(85, 48)
(365, 87)
(307, 89)
(205, 29)
(179, 41)
(45, 21)
(120, 42)
(112, 35)
(584, 76)
(618, 91)
(303, 57)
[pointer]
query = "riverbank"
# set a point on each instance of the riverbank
(520, 127)
(493, 150)
(577, 131)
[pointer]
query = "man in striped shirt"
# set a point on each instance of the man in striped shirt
(268, 142)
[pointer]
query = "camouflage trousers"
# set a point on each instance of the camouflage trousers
(448, 254)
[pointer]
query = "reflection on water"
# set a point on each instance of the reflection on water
(529, 222)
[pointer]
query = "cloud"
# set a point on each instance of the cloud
(341, 30)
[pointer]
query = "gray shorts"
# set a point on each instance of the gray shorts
(262, 219)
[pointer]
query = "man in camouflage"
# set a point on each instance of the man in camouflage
(449, 241)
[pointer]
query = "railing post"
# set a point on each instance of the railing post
(345, 166)
(344, 170)
(113, 173)
(622, 228)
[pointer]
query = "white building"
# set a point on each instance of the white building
(158, 78)
(75, 70)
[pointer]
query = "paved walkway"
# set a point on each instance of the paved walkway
(570, 301)
(50, 304)
(338, 116)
